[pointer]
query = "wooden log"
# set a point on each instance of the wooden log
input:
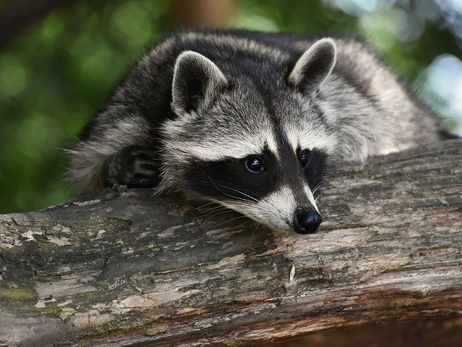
(129, 269)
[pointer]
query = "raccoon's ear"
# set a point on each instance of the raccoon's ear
(313, 67)
(196, 82)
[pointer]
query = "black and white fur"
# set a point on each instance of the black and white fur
(248, 120)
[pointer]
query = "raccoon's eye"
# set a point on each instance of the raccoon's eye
(254, 164)
(304, 157)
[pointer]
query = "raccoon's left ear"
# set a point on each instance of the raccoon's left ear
(313, 67)
(196, 82)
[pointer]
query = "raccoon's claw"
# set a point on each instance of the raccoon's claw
(143, 168)
(132, 166)
(137, 182)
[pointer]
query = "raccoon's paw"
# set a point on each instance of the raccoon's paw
(132, 166)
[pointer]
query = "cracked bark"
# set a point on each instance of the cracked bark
(126, 269)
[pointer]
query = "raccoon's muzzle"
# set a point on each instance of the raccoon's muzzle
(306, 220)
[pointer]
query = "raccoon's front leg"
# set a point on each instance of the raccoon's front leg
(132, 166)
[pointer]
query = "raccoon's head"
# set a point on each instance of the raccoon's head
(250, 135)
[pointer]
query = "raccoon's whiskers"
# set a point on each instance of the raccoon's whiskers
(213, 214)
(317, 188)
(214, 211)
(257, 224)
(229, 195)
(207, 204)
(242, 193)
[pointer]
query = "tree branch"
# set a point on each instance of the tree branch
(127, 269)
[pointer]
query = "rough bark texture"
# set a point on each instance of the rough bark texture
(127, 269)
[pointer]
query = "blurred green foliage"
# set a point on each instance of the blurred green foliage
(55, 75)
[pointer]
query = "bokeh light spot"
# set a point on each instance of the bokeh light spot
(13, 76)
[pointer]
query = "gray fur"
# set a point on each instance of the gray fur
(351, 107)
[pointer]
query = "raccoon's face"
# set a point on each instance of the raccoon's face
(259, 148)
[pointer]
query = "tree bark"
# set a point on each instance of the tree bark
(129, 269)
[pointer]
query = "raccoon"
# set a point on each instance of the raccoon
(248, 120)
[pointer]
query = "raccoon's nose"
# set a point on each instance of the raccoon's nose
(306, 220)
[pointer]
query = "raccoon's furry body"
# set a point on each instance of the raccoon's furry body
(248, 119)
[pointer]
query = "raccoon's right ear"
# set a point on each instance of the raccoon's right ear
(313, 67)
(196, 82)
